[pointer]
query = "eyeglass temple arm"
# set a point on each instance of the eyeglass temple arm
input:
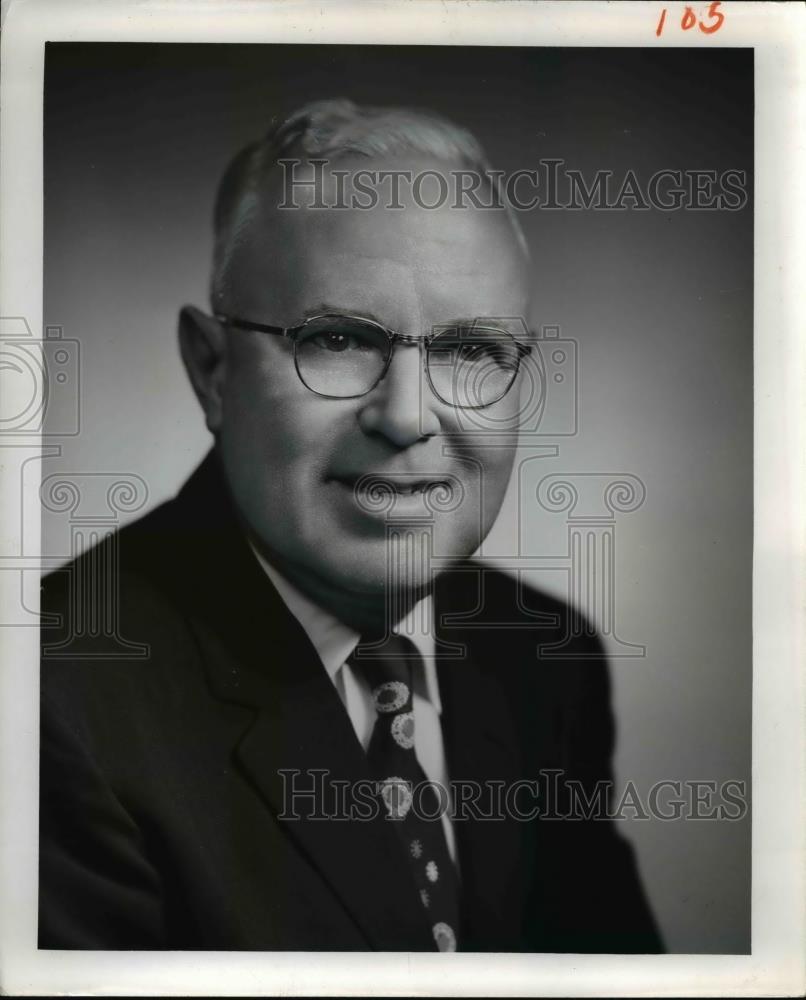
(242, 324)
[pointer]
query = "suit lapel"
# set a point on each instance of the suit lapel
(304, 737)
(300, 725)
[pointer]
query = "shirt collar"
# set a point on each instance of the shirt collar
(334, 641)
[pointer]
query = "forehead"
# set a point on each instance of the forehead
(406, 266)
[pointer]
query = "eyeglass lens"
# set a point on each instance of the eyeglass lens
(467, 366)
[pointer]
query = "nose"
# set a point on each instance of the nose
(401, 407)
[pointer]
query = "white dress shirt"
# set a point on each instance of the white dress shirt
(334, 642)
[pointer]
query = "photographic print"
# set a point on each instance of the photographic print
(578, 269)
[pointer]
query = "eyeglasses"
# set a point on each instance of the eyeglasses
(344, 357)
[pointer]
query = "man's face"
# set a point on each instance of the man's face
(293, 458)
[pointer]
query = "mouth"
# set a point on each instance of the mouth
(376, 492)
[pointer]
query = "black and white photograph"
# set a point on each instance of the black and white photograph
(384, 459)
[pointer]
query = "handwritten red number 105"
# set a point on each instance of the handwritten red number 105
(713, 20)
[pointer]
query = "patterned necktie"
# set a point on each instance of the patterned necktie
(411, 802)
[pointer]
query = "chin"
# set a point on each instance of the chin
(369, 570)
(410, 560)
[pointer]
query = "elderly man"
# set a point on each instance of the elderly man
(335, 740)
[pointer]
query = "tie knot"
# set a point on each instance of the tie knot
(387, 664)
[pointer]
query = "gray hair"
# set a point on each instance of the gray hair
(333, 128)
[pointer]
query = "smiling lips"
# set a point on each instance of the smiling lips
(402, 485)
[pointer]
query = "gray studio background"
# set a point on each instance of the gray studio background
(660, 305)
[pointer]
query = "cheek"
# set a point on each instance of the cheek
(264, 409)
(276, 436)
(489, 439)
(496, 472)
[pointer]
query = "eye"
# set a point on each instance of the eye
(331, 341)
(481, 351)
(476, 351)
(342, 341)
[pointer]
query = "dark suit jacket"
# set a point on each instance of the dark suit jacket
(160, 783)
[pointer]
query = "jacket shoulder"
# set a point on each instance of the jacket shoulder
(114, 633)
(540, 651)
(502, 604)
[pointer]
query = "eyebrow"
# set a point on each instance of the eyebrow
(325, 308)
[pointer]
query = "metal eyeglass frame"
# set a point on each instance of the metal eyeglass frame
(292, 333)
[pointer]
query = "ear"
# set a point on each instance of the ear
(203, 346)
